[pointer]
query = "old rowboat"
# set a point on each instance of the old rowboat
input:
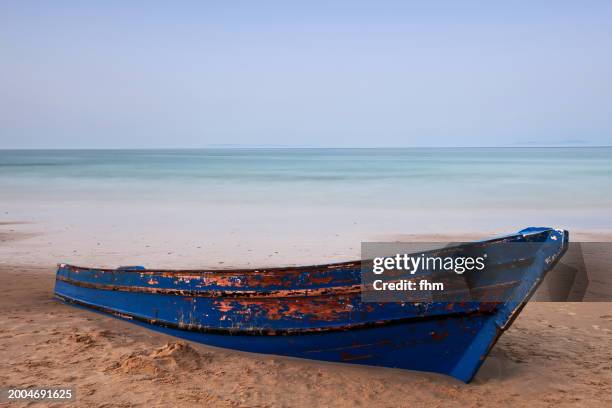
(316, 312)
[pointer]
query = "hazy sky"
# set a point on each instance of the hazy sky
(330, 73)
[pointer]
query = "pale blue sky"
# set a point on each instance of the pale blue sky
(310, 73)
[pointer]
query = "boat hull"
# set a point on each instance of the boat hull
(329, 323)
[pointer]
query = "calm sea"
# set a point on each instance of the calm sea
(575, 183)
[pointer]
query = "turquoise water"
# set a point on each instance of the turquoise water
(520, 178)
(492, 186)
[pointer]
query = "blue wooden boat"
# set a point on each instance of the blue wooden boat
(316, 312)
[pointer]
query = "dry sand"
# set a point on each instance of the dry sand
(555, 354)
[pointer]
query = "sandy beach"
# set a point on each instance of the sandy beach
(555, 354)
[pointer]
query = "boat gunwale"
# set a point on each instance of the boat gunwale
(262, 294)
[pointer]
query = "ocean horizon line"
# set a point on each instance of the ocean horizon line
(279, 147)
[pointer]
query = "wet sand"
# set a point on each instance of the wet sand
(554, 355)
